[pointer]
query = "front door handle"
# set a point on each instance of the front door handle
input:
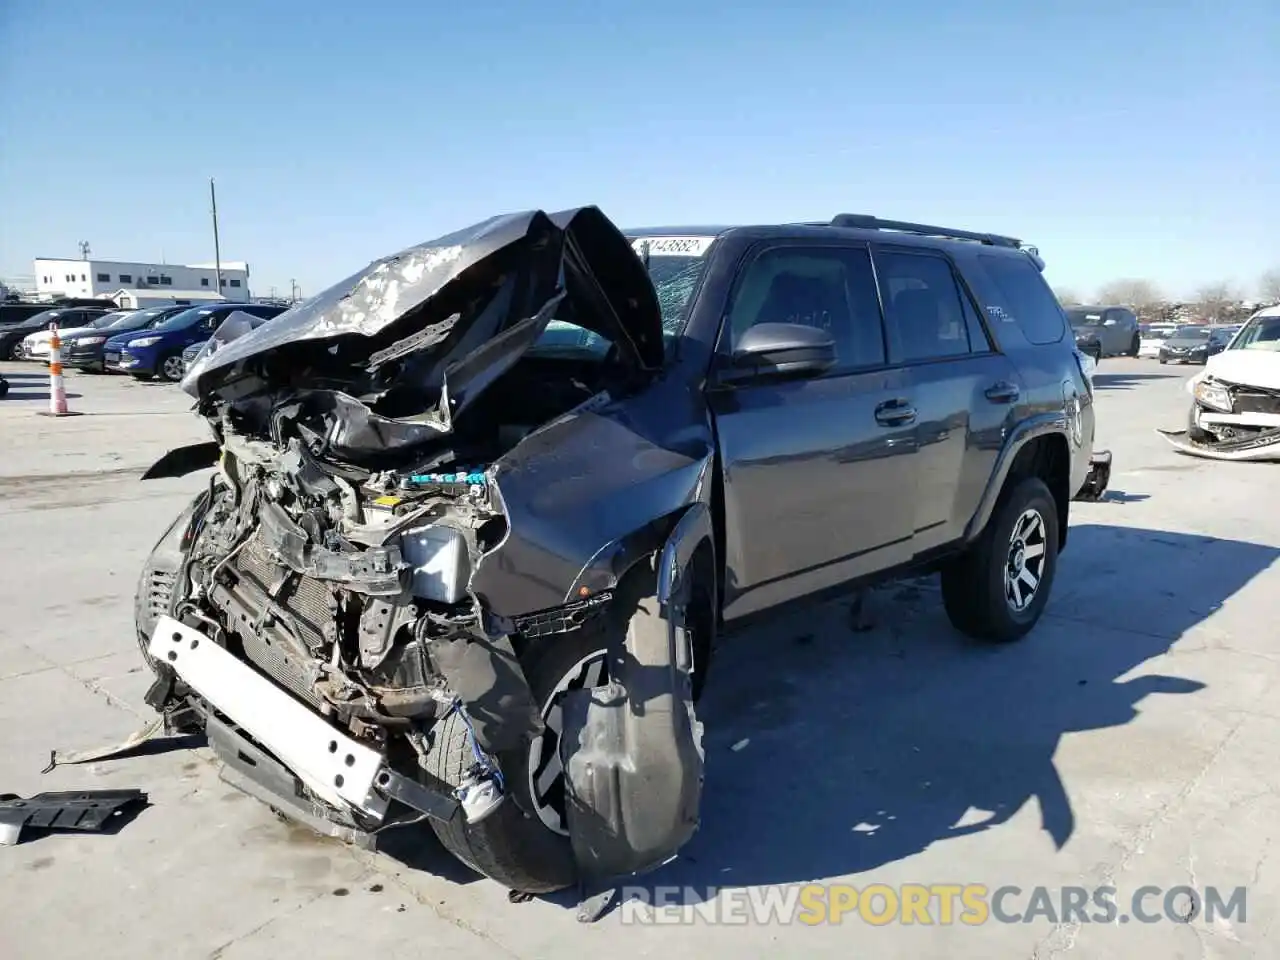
(895, 413)
(1003, 392)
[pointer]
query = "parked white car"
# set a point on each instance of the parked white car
(35, 346)
(1153, 339)
(1235, 406)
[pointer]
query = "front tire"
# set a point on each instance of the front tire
(1135, 346)
(524, 844)
(170, 367)
(1194, 433)
(998, 588)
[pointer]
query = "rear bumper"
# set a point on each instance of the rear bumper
(1098, 478)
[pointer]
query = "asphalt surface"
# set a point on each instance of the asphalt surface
(1131, 740)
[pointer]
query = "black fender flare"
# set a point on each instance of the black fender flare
(1033, 428)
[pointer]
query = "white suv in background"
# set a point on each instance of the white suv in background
(1153, 337)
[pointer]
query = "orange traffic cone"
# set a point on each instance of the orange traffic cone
(57, 392)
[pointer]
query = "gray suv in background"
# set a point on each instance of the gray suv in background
(1115, 327)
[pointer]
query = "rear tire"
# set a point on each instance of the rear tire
(1135, 346)
(976, 586)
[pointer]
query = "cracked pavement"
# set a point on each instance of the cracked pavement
(1129, 741)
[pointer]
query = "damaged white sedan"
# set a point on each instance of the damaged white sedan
(1235, 407)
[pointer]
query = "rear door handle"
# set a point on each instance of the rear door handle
(1003, 392)
(895, 413)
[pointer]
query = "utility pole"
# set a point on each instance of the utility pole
(293, 291)
(217, 252)
(84, 249)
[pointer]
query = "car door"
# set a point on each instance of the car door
(1114, 337)
(817, 473)
(964, 391)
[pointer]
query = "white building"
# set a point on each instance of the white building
(101, 278)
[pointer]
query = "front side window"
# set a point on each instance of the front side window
(923, 305)
(832, 288)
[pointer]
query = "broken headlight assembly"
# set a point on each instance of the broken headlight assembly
(1212, 394)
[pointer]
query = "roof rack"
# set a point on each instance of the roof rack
(863, 221)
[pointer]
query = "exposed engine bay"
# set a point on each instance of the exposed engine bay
(337, 580)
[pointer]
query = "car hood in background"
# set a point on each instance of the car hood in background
(1250, 368)
(1186, 343)
(44, 336)
(464, 306)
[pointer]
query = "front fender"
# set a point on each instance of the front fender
(632, 749)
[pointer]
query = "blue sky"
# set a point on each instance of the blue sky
(1134, 139)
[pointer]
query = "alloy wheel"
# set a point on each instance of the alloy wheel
(1024, 565)
(171, 368)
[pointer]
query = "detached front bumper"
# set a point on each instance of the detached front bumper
(347, 783)
(1263, 447)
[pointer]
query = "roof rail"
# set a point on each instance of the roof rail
(863, 221)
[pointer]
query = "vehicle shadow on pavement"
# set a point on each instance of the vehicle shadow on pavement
(831, 752)
(26, 391)
(1125, 381)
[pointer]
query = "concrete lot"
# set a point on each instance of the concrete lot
(1131, 740)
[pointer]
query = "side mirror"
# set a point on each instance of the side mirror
(782, 349)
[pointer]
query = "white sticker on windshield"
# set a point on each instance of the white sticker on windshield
(673, 246)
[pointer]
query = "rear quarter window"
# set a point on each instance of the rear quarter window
(1017, 293)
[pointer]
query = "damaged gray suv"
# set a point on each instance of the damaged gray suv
(482, 512)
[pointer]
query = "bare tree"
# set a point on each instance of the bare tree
(1269, 286)
(1130, 292)
(1066, 297)
(1215, 301)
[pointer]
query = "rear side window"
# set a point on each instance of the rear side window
(923, 305)
(1023, 298)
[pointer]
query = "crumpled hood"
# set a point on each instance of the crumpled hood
(1250, 368)
(454, 305)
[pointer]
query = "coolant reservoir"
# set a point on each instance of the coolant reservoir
(440, 565)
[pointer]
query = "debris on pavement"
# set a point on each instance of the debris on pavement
(82, 810)
(132, 742)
